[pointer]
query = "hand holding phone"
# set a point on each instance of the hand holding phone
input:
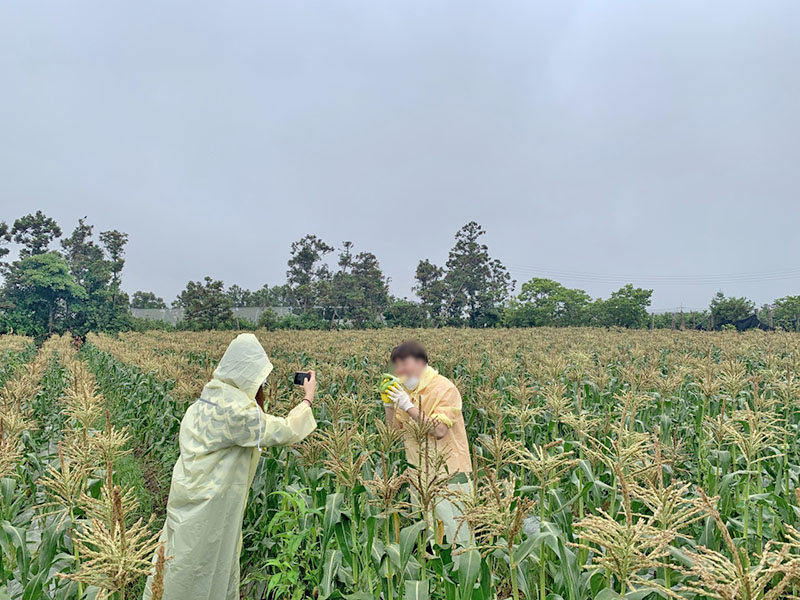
(307, 379)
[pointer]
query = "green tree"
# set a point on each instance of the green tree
(308, 274)
(41, 289)
(373, 297)
(310, 319)
(536, 305)
(5, 237)
(727, 310)
(547, 302)
(477, 285)
(239, 296)
(278, 295)
(206, 305)
(114, 243)
(431, 289)
(358, 291)
(147, 300)
(787, 313)
(98, 270)
(672, 320)
(574, 308)
(268, 320)
(85, 258)
(405, 313)
(34, 233)
(101, 305)
(597, 315)
(627, 307)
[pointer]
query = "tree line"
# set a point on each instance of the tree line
(75, 288)
(74, 283)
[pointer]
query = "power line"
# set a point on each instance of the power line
(616, 278)
(783, 274)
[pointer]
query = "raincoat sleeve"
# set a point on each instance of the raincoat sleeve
(448, 408)
(253, 427)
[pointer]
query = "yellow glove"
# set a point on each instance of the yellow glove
(388, 383)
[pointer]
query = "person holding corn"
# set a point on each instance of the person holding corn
(417, 391)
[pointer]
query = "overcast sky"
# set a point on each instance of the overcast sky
(596, 142)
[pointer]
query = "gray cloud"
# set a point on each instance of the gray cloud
(639, 139)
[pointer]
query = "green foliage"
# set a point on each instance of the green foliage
(98, 272)
(628, 415)
(307, 274)
(471, 289)
(278, 295)
(728, 309)
(309, 319)
(404, 313)
(289, 571)
(358, 292)
(114, 243)
(206, 304)
(85, 258)
(147, 300)
(5, 237)
(129, 472)
(787, 313)
(50, 292)
(676, 320)
(268, 320)
(431, 290)
(239, 296)
(32, 551)
(477, 284)
(627, 307)
(150, 325)
(544, 302)
(41, 290)
(34, 233)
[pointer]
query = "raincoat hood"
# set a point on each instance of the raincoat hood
(245, 365)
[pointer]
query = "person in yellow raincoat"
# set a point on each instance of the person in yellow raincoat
(427, 395)
(221, 437)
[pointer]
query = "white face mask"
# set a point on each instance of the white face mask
(411, 383)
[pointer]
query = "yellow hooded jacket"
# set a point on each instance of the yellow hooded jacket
(220, 440)
(438, 398)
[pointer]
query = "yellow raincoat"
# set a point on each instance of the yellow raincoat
(220, 440)
(438, 398)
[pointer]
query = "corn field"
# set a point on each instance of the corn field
(607, 464)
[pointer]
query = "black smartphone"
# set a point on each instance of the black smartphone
(301, 376)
